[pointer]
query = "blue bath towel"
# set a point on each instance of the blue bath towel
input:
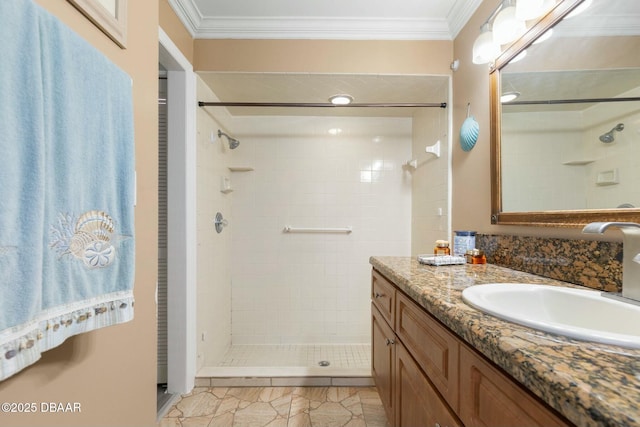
(67, 186)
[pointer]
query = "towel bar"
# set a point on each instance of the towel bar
(289, 229)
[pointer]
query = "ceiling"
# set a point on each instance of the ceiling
(325, 19)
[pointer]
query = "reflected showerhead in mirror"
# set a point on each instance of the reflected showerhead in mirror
(233, 143)
(609, 137)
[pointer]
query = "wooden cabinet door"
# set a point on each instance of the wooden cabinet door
(416, 401)
(488, 398)
(383, 295)
(431, 345)
(383, 349)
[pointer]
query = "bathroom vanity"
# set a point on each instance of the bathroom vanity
(438, 361)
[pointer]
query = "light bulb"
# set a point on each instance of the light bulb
(529, 9)
(506, 27)
(484, 49)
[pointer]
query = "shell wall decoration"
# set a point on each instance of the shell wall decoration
(469, 131)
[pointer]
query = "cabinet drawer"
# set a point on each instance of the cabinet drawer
(383, 295)
(489, 398)
(417, 403)
(435, 349)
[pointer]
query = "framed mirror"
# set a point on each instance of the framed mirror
(566, 150)
(108, 15)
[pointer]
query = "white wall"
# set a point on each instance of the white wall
(214, 250)
(534, 161)
(543, 181)
(622, 155)
(314, 288)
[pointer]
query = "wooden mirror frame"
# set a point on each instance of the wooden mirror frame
(556, 218)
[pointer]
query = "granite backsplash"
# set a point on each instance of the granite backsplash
(589, 263)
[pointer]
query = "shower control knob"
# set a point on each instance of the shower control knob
(220, 222)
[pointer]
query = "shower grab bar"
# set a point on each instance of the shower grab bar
(289, 229)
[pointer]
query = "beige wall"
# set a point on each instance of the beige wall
(324, 56)
(111, 372)
(471, 208)
(171, 24)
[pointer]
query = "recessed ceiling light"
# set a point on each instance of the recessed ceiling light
(341, 99)
(509, 96)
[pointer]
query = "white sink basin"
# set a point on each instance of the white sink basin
(576, 313)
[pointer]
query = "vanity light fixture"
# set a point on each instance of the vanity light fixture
(528, 9)
(335, 131)
(485, 50)
(341, 99)
(506, 26)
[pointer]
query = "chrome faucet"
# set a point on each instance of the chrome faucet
(630, 252)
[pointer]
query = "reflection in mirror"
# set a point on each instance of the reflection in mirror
(570, 136)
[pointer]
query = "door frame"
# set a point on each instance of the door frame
(181, 211)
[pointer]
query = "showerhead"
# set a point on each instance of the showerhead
(233, 143)
(608, 137)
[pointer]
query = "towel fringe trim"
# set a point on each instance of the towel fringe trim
(22, 345)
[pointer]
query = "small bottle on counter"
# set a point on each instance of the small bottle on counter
(475, 256)
(442, 248)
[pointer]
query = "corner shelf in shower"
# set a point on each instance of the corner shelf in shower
(578, 162)
(240, 168)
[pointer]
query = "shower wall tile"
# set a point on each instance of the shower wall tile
(213, 274)
(314, 288)
(430, 180)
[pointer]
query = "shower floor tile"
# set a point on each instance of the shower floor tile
(353, 356)
(290, 365)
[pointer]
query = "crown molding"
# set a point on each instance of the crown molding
(460, 14)
(323, 28)
(200, 27)
(188, 13)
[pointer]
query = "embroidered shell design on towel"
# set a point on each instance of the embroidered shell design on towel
(89, 238)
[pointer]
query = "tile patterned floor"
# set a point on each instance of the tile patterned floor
(278, 407)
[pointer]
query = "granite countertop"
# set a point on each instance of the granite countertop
(591, 384)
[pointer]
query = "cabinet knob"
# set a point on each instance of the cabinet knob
(390, 341)
(378, 295)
